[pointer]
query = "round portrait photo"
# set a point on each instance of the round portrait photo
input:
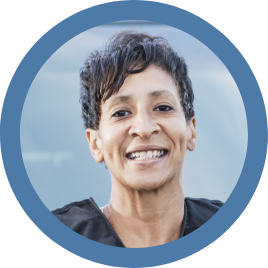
(133, 134)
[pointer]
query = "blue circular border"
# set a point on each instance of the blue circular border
(226, 52)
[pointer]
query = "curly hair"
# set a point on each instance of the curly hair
(129, 52)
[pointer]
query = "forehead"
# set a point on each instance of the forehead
(151, 83)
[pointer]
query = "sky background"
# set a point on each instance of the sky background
(54, 147)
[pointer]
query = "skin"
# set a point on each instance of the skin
(147, 201)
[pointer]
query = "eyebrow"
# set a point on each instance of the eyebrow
(125, 98)
(158, 93)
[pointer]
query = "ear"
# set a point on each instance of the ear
(95, 144)
(191, 134)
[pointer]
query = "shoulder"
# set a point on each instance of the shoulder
(86, 219)
(76, 211)
(81, 205)
(80, 216)
(199, 211)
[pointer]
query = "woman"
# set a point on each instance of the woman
(137, 104)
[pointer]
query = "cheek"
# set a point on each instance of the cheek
(112, 143)
(178, 135)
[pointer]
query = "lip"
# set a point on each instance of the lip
(146, 148)
(147, 162)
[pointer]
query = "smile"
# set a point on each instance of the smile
(146, 155)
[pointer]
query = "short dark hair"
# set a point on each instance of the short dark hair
(129, 52)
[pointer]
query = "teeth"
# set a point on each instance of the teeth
(143, 155)
(146, 155)
(149, 154)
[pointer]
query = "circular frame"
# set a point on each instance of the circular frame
(217, 43)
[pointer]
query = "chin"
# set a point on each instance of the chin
(146, 184)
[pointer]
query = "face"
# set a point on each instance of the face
(143, 134)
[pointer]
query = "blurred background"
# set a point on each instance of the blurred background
(53, 143)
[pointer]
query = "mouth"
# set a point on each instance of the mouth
(144, 155)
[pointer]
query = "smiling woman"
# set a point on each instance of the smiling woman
(137, 103)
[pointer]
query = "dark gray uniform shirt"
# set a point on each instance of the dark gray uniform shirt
(87, 219)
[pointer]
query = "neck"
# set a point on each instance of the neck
(146, 218)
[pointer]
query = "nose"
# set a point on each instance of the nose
(144, 125)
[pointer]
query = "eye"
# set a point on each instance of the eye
(163, 108)
(120, 113)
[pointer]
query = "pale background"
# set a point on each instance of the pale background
(53, 143)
